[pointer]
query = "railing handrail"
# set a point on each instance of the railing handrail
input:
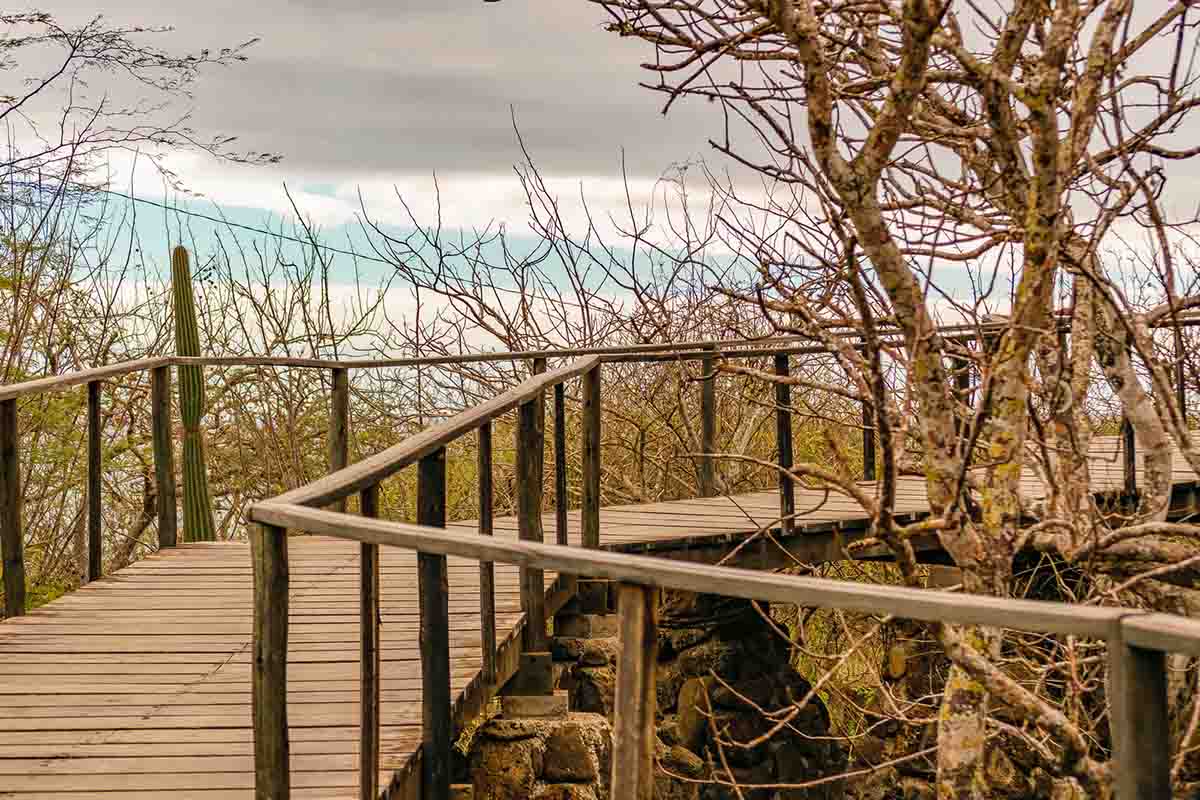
(659, 351)
(373, 469)
(928, 605)
(54, 383)
(1137, 639)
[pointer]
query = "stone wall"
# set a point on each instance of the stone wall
(723, 672)
(546, 758)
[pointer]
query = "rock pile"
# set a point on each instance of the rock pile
(722, 675)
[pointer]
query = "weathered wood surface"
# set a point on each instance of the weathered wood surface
(12, 541)
(164, 456)
(368, 671)
(634, 701)
(139, 684)
(95, 460)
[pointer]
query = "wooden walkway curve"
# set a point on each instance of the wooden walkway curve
(138, 685)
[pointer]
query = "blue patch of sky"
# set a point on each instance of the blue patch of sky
(210, 230)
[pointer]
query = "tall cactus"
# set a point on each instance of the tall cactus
(198, 525)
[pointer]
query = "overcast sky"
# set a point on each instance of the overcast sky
(382, 92)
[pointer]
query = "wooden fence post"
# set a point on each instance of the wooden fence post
(12, 542)
(487, 571)
(560, 464)
(868, 443)
(634, 702)
(368, 654)
(1138, 721)
(783, 442)
(94, 473)
(869, 471)
(708, 424)
(1180, 376)
(1129, 458)
(1129, 450)
(962, 389)
(530, 443)
(164, 456)
(436, 729)
(590, 501)
(272, 776)
(339, 425)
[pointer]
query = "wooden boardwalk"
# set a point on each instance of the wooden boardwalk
(138, 685)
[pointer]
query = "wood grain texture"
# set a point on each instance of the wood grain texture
(436, 729)
(530, 444)
(95, 458)
(58, 383)
(12, 534)
(487, 571)
(164, 457)
(272, 776)
(708, 426)
(144, 679)
(783, 444)
(369, 689)
(590, 503)
(560, 464)
(1137, 680)
(339, 425)
(634, 700)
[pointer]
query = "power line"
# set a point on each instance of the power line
(297, 240)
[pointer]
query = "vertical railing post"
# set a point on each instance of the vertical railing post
(94, 471)
(339, 425)
(868, 442)
(1180, 375)
(487, 571)
(368, 654)
(164, 456)
(272, 777)
(708, 424)
(433, 587)
(560, 464)
(1129, 458)
(12, 543)
(962, 391)
(1138, 721)
(1129, 449)
(783, 443)
(590, 500)
(530, 443)
(869, 471)
(634, 701)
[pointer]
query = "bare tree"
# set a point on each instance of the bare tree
(913, 137)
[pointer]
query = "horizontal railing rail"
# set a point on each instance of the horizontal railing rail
(337, 488)
(1137, 640)
(1034, 616)
(372, 469)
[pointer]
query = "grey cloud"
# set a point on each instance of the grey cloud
(367, 87)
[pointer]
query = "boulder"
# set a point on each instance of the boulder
(569, 758)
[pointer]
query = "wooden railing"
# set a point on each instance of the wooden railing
(707, 352)
(12, 532)
(1137, 640)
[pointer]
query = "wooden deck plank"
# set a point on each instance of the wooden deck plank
(138, 685)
